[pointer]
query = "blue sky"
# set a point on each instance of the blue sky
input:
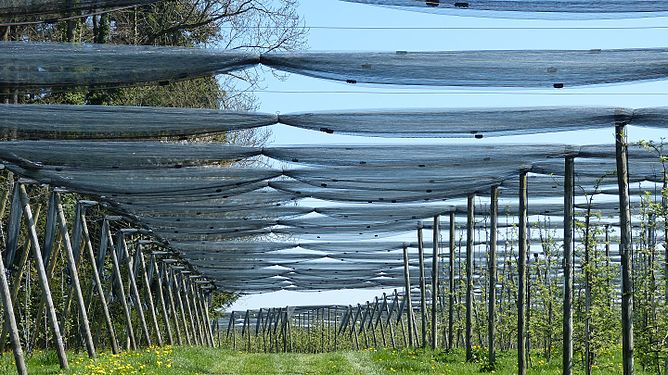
(334, 13)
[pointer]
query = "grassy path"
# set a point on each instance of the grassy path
(183, 360)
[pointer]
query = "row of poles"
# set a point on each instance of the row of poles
(183, 306)
(349, 317)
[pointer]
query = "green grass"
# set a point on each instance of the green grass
(184, 360)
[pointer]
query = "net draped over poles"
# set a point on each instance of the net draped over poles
(331, 217)
(61, 65)
(538, 9)
(203, 204)
(25, 8)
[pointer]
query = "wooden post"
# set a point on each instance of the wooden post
(192, 289)
(149, 295)
(207, 319)
(569, 182)
(10, 320)
(121, 288)
(133, 285)
(186, 297)
(470, 223)
(451, 282)
(164, 272)
(388, 324)
(522, 275)
(423, 287)
(625, 246)
(407, 296)
(88, 338)
(434, 283)
(98, 282)
(491, 314)
(43, 280)
(163, 305)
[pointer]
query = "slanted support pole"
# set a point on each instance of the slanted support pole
(163, 305)
(149, 295)
(207, 317)
(451, 282)
(64, 234)
(569, 182)
(621, 152)
(423, 287)
(522, 278)
(470, 222)
(407, 296)
(491, 268)
(434, 283)
(97, 281)
(164, 273)
(43, 280)
(121, 288)
(133, 285)
(10, 321)
(186, 297)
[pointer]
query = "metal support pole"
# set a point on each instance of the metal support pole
(625, 247)
(407, 296)
(434, 283)
(522, 278)
(64, 234)
(423, 287)
(491, 315)
(470, 223)
(43, 280)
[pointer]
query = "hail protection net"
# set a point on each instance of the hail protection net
(324, 216)
(48, 65)
(539, 9)
(25, 8)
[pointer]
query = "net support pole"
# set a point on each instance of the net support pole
(43, 280)
(149, 295)
(522, 278)
(161, 299)
(177, 292)
(407, 296)
(164, 277)
(98, 282)
(625, 246)
(569, 181)
(451, 282)
(133, 285)
(186, 297)
(121, 288)
(470, 222)
(388, 324)
(491, 268)
(207, 317)
(423, 286)
(10, 320)
(191, 290)
(64, 234)
(434, 283)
